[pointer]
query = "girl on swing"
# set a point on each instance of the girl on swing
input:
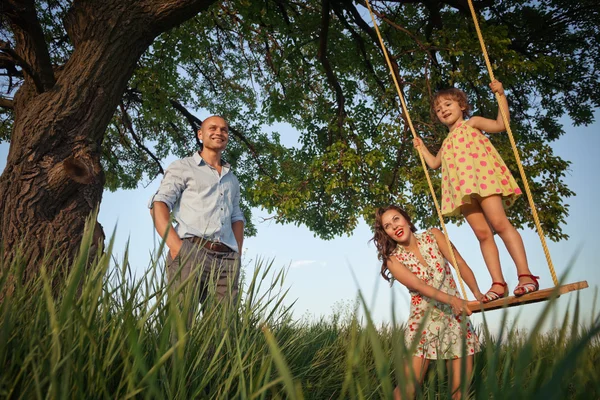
(477, 184)
(418, 261)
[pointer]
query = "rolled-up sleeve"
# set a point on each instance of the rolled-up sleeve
(237, 214)
(170, 187)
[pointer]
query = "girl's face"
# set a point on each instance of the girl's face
(396, 226)
(449, 111)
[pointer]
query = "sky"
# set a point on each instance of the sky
(324, 277)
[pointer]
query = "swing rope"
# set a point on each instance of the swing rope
(412, 129)
(515, 151)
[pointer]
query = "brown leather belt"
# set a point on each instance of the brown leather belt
(214, 246)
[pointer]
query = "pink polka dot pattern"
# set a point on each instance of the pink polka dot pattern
(487, 176)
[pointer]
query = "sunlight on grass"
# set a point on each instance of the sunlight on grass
(101, 334)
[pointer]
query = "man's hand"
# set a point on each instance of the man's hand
(162, 221)
(175, 248)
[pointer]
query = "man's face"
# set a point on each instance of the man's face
(214, 133)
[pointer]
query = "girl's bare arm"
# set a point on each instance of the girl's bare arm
(434, 162)
(493, 125)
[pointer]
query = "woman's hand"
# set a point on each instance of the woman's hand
(459, 306)
(497, 87)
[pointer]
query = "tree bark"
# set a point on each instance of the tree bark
(53, 178)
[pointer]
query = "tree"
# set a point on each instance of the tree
(62, 106)
(314, 65)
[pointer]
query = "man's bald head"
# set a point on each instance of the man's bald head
(214, 133)
(211, 118)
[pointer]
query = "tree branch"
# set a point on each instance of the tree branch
(194, 121)
(6, 103)
(11, 59)
(360, 43)
(252, 149)
(360, 22)
(322, 56)
(137, 140)
(8, 63)
(31, 52)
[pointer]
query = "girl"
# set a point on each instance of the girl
(477, 184)
(418, 261)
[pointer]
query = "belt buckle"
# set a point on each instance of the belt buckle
(210, 246)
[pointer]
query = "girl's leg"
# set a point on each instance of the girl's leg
(494, 211)
(476, 219)
(455, 377)
(414, 371)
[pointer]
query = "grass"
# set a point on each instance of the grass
(100, 334)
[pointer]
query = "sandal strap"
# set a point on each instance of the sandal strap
(491, 295)
(535, 278)
(528, 287)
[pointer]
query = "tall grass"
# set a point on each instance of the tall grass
(102, 334)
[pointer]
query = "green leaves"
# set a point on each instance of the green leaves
(346, 148)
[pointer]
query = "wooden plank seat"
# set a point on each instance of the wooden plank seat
(540, 295)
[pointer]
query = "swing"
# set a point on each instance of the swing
(511, 301)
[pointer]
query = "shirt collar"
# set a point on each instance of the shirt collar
(200, 161)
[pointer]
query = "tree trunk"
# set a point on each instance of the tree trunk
(53, 178)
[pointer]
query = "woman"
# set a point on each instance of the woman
(418, 261)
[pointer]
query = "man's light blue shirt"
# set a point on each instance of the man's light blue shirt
(204, 203)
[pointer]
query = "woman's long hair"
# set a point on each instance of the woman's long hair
(386, 245)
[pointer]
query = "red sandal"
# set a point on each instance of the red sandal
(524, 288)
(492, 295)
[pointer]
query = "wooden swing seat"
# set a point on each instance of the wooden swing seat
(540, 295)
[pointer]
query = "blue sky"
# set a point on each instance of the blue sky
(325, 275)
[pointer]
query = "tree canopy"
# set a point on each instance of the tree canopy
(316, 66)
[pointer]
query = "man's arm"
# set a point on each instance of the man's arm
(162, 201)
(162, 222)
(237, 218)
(238, 233)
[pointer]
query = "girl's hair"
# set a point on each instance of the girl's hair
(386, 245)
(455, 94)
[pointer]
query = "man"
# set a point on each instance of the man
(205, 198)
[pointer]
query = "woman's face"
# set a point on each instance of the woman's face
(396, 226)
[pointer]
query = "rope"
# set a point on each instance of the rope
(412, 129)
(515, 151)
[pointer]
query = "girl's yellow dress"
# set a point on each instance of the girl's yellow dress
(471, 165)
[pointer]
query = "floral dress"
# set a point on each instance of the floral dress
(471, 165)
(442, 334)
